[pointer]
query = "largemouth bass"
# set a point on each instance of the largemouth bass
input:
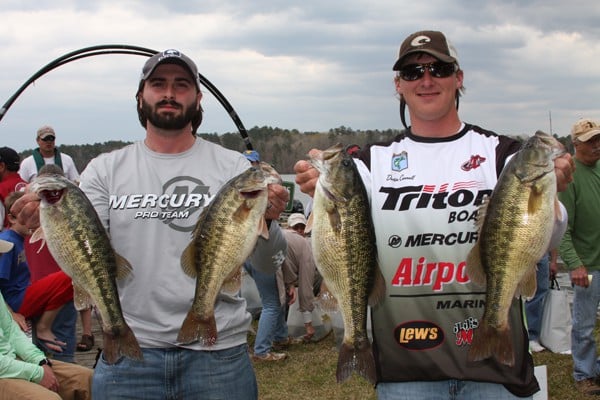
(80, 245)
(515, 228)
(343, 242)
(224, 237)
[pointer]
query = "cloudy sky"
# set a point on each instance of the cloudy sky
(307, 65)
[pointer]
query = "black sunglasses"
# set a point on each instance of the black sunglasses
(438, 69)
(48, 139)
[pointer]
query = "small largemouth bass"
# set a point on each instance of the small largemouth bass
(344, 248)
(80, 245)
(515, 228)
(224, 237)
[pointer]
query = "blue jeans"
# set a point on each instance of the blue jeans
(444, 390)
(177, 373)
(583, 342)
(271, 324)
(535, 307)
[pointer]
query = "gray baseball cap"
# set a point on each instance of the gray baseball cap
(170, 56)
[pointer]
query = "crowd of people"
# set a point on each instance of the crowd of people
(429, 82)
(36, 293)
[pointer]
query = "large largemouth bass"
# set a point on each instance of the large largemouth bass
(80, 245)
(344, 248)
(224, 237)
(515, 225)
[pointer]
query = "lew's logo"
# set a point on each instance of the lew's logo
(419, 335)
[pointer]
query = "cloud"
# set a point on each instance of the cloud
(311, 65)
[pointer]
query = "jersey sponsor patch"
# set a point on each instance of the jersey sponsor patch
(419, 335)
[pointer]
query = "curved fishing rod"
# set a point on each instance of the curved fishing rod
(124, 49)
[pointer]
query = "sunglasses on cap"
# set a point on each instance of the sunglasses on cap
(48, 139)
(437, 69)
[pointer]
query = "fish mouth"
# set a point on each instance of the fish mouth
(251, 194)
(331, 196)
(52, 196)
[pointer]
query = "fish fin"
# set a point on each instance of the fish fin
(335, 219)
(309, 224)
(528, 284)
(378, 291)
(241, 213)
(489, 342)
(357, 358)
(195, 328)
(474, 268)
(188, 260)
(124, 268)
(534, 203)
(37, 235)
(81, 298)
(481, 212)
(263, 229)
(121, 342)
(233, 283)
(327, 300)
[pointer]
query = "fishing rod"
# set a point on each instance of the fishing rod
(131, 50)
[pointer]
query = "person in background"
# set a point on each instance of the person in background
(299, 270)
(272, 329)
(252, 156)
(414, 182)
(47, 153)
(580, 252)
(40, 300)
(553, 262)
(10, 180)
(26, 373)
(535, 306)
(166, 180)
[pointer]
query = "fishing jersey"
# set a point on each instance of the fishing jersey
(425, 193)
(150, 203)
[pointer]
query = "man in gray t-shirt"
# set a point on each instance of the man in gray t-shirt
(149, 196)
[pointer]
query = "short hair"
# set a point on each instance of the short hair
(11, 198)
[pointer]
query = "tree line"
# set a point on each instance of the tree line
(279, 147)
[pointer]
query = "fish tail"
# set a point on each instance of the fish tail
(121, 342)
(357, 358)
(128, 344)
(492, 342)
(195, 328)
(110, 352)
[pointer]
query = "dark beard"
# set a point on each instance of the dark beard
(168, 121)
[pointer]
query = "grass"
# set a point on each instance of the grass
(309, 373)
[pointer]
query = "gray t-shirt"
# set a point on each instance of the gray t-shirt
(150, 203)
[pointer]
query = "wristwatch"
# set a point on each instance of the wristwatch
(45, 361)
